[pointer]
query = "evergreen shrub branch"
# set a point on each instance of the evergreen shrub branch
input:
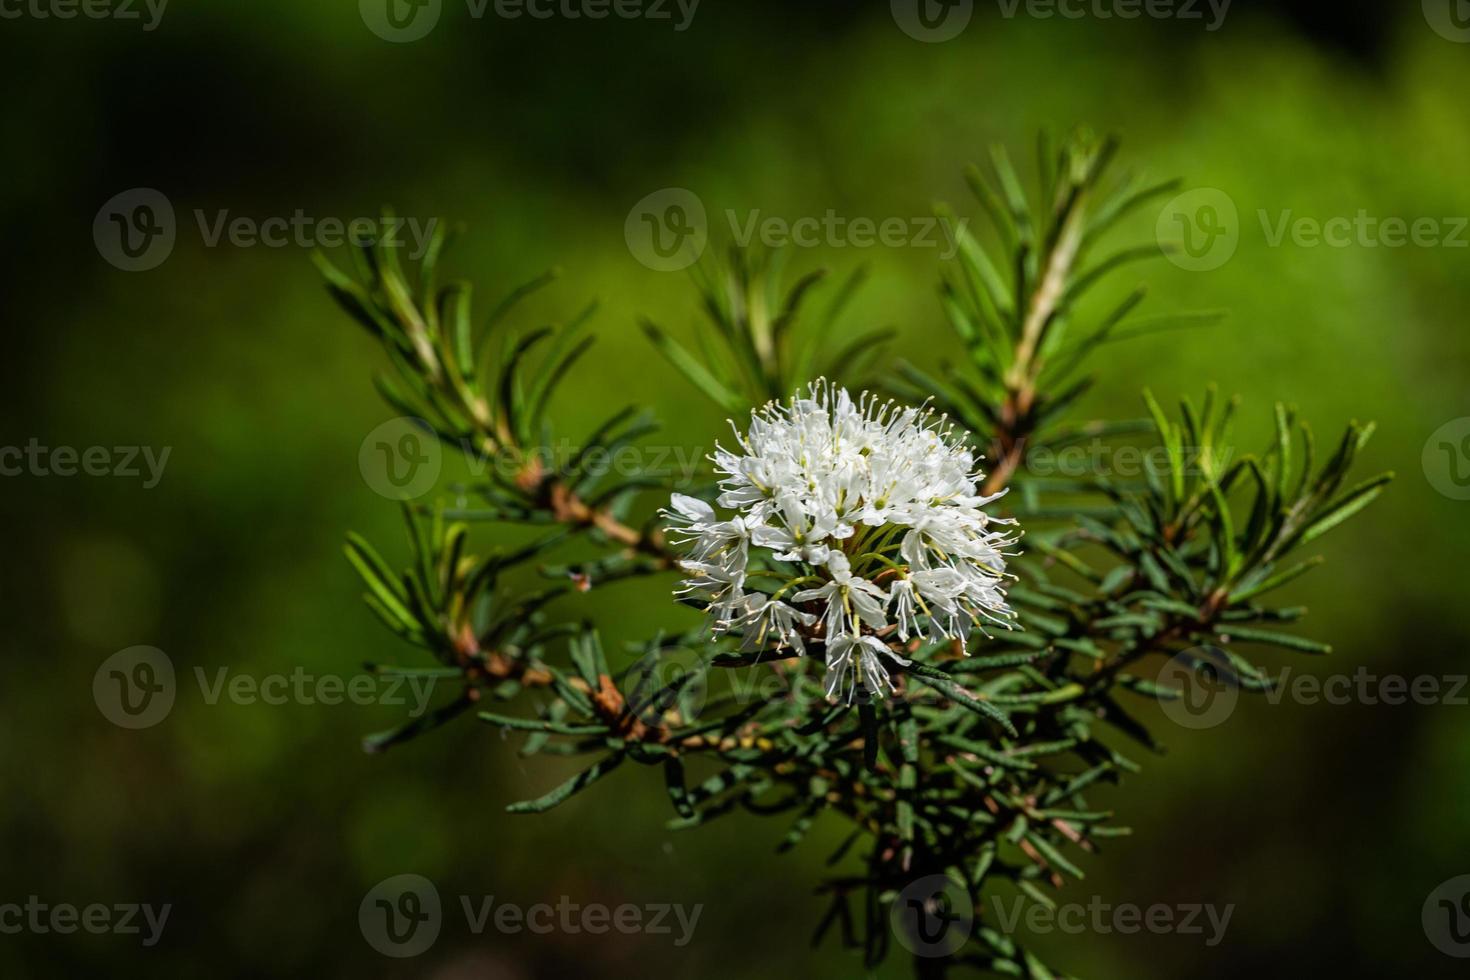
(986, 760)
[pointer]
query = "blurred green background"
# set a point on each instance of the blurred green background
(1326, 826)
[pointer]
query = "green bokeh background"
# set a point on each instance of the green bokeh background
(1326, 826)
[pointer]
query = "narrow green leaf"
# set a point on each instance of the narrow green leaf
(569, 788)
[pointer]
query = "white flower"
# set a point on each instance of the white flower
(851, 602)
(864, 515)
(696, 520)
(800, 536)
(858, 661)
(901, 594)
(765, 616)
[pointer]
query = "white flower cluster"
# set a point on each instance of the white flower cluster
(872, 515)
